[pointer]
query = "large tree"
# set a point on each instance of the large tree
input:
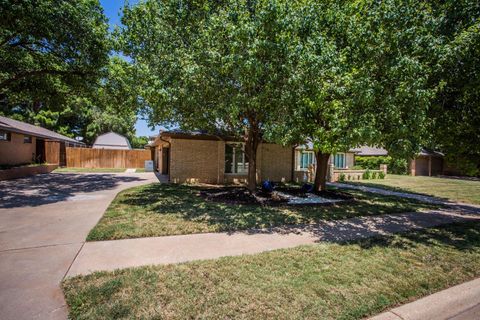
(216, 66)
(55, 69)
(362, 78)
(455, 112)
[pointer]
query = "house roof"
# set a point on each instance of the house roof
(370, 151)
(425, 152)
(29, 129)
(112, 139)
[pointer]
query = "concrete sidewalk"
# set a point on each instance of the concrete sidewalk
(457, 206)
(117, 254)
(460, 302)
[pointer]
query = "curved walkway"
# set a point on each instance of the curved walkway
(44, 221)
(466, 207)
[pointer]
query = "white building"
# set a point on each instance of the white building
(112, 140)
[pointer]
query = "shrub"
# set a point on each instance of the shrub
(374, 175)
(366, 175)
(381, 175)
(341, 178)
(394, 165)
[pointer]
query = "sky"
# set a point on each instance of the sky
(113, 10)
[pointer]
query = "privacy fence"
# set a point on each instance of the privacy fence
(106, 158)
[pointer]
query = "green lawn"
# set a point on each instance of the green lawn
(452, 189)
(170, 209)
(324, 281)
(93, 170)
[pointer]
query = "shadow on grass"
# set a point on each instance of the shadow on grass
(184, 202)
(464, 236)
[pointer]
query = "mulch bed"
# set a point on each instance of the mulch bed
(241, 195)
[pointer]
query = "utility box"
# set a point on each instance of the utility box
(148, 165)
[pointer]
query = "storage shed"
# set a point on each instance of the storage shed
(112, 140)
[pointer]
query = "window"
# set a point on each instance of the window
(307, 159)
(339, 160)
(5, 136)
(235, 159)
(27, 139)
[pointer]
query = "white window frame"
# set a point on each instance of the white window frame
(299, 159)
(344, 160)
(244, 163)
(5, 136)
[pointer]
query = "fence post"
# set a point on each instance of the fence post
(383, 167)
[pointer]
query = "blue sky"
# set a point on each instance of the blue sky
(113, 10)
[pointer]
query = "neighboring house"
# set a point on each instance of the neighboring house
(206, 158)
(22, 143)
(370, 151)
(426, 163)
(112, 140)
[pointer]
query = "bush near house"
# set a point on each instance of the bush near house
(394, 166)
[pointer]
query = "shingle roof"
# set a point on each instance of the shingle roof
(29, 129)
(370, 151)
(425, 152)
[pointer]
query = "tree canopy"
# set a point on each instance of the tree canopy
(55, 69)
(217, 66)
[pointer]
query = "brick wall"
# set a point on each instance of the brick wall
(15, 151)
(204, 161)
(196, 161)
(276, 162)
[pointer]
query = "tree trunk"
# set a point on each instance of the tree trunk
(321, 171)
(251, 146)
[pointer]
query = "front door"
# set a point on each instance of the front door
(165, 160)
(40, 151)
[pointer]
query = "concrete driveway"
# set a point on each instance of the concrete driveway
(44, 221)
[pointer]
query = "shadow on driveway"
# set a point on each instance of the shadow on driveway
(50, 188)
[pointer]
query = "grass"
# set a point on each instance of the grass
(140, 170)
(169, 209)
(325, 281)
(93, 170)
(458, 190)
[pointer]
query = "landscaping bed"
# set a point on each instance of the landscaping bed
(325, 281)
(171, 209)
(280, 196)
(14, 172)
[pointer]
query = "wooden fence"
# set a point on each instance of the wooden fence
(106, 158)
(52, 152)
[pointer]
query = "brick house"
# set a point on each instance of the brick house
(206, 158)
(23, 143)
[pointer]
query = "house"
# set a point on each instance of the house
(425, 163)
(367, 151)
(112, 140)
(23, 143)
(207, 158)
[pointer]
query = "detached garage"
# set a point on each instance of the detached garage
(427, 163)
